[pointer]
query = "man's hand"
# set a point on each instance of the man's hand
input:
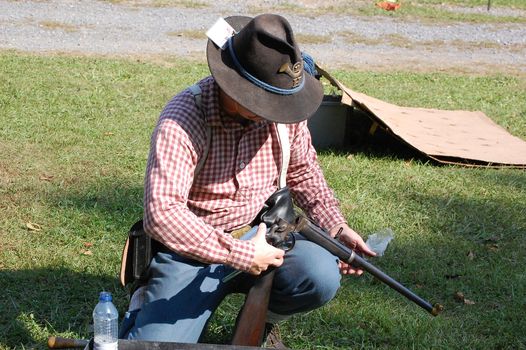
(354, 241)
(266, 255)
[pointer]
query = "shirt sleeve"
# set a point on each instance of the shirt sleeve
(167, 218)
(307, 183)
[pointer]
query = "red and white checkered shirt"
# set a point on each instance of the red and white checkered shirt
(241, 171)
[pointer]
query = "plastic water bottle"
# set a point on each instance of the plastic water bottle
(105, 322)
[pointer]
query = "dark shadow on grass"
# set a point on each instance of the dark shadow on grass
(56, 300)
(474, 244)
(117, 206)
(434, 268)
(110, 202)
(59, 300)
(380, 147)
(475, 248)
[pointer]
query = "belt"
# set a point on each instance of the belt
(238, 233)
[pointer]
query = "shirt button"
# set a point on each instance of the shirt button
(242, 165)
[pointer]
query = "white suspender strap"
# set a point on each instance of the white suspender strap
(283, 137)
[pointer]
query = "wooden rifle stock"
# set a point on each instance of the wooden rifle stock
(250, 324)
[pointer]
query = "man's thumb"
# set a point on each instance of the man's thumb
(261, 233)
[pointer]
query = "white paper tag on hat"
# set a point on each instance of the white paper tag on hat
(220, 32)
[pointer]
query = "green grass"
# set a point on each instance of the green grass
(431, 11)
(438, 11)
(474, 3)
(74, 137)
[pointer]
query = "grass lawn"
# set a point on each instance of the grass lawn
(430, 11)
(74, 137)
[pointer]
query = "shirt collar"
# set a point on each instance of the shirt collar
(216, 117)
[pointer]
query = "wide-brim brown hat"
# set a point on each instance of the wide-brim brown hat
(261, 68)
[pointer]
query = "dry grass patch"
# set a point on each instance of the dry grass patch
(398, 40)
(311, 39)
(313, 8)
(469, 45)
(354, 38)
(54, 25)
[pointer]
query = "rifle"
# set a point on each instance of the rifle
(279, 213)
(321, 237)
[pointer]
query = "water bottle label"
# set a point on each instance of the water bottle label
(105, 346)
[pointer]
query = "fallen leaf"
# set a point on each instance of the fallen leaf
(471, 255)
(33, 227)
(45, 177)
(88, 244)
(109, 133)
(86, 252)
(493, 247)
(459, 296)
(350, 156)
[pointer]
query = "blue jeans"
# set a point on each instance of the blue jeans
(182, 294)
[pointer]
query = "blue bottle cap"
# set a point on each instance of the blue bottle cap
(105, 296)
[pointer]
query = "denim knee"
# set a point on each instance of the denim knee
(325, 280)
(308, 279)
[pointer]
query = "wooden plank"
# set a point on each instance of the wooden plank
(146, 345)
(67, 343)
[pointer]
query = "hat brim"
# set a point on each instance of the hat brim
(277, 108)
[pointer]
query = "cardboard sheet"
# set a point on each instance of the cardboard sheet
(459, 137)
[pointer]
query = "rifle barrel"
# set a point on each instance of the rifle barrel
(317, 235)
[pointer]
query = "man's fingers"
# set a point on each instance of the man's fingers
(352, 271)
(347, 269)
(260, 236)
(278, 258)
(364, 248)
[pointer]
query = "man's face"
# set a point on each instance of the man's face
(234, 109)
